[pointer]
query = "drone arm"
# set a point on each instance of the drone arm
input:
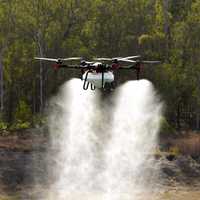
(128, 67)
(57, 66)
(132, 67)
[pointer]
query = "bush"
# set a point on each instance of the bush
(3, 125)
(38, 120)
(166, 128)
(23, 116)
(21, 125)
(23, 112)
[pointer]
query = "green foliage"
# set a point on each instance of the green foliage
(166, 128)
(3, 125)
(164, 30)
(39, 120)
(22, 115)
(20, 125)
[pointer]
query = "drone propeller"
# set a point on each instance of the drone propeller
(127, 59)
(131, 57)
(72, 58)
(103, 59)
(149, 62)
(47, 59)
(58, 60)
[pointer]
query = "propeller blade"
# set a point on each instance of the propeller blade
(72, 58)
(103, 59)
(117, 58)
(47, 59)
(127, 60)
(131, 57)
(150, 62)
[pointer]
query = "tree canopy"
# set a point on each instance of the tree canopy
(156, 29)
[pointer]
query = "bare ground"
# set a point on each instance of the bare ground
(24, 169)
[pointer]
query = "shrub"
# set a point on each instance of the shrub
(23, 116)
(3, 125)
(23, 112)
(21, 125)
(38, 120)
(166, 128)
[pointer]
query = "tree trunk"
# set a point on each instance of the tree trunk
(166, 26)
(178, 115)
(197, 118)
(11, 97)
(166, 18)
(10, 104)
(41, 54)
(1, 83)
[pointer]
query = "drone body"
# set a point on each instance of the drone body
(97, 79)
(100, 72)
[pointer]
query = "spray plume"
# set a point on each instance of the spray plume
(99, 157)
(130, 166)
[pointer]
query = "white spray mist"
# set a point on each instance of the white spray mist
(103, 150)
(71, 124)
(131, 168)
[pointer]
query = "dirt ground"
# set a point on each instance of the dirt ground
(182, 193)
(25, 151)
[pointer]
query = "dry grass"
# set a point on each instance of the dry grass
(186, 144)
(171, 194)
(180, 196)
(5, 197)
(22, 143)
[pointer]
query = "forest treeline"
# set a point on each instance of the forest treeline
(165, 30)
